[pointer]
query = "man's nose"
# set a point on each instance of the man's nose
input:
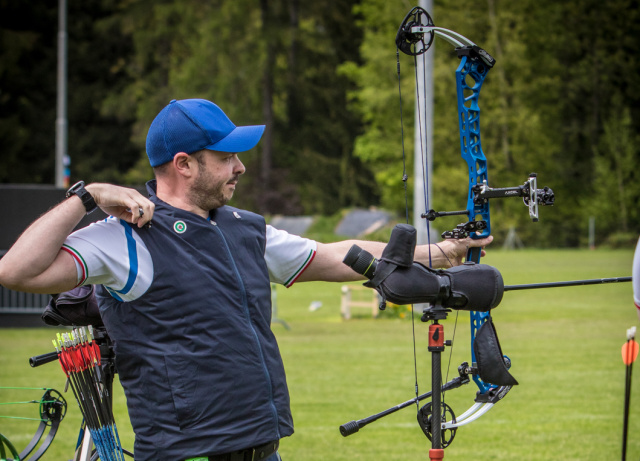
(238, 168)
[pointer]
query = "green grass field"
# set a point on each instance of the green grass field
(564, 343)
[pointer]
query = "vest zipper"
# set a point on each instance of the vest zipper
(253, 330)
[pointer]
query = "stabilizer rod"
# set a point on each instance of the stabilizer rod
(571, 283)
(354, 426)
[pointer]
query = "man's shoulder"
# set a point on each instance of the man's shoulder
(238, 213)
(107, 225)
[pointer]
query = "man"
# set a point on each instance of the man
(184, 288)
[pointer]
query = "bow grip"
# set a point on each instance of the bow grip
(474, 254)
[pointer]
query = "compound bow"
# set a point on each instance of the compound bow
(475, 64)
(415, 36)
(489, 367)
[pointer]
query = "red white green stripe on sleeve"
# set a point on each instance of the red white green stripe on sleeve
(294, 277)
(81, 264)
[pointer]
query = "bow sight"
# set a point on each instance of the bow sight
(531, 196)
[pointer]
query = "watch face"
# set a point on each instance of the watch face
(75, 188)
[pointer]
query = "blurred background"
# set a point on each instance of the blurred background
(562, 101)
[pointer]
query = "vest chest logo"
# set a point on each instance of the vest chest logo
(180, 227)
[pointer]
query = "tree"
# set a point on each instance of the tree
(559, 67)
(616, 191)
(273, 64)
(27, 91)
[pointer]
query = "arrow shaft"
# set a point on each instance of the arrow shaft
(627, 404)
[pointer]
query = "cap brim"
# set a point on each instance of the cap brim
(241, 139)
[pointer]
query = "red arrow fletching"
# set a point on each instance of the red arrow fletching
(630, 352)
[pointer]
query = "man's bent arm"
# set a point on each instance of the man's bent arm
(36, 263)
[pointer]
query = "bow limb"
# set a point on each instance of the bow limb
(53, 408)
(478, 409)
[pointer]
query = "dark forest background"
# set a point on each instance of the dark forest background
(563, 100)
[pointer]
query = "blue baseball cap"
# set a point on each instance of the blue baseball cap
(190, 125)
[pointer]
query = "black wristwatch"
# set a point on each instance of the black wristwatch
(84, 195)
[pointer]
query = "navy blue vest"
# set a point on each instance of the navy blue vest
(196, 356)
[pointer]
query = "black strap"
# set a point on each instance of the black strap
(259, 453)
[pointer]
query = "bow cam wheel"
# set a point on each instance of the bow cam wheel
(424, 420)
(53, 406)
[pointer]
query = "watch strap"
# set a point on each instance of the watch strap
(84, 195)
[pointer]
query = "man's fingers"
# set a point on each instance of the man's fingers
(479, 242)
(140, 211)
(123, 202)
(145, 213)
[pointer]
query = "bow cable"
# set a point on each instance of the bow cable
(406, 206)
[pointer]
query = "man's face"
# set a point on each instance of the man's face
(215, 183)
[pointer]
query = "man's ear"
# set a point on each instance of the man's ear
(183, 164)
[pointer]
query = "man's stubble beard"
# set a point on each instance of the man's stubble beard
(208, 194)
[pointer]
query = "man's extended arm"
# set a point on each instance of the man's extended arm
(36, 264)
(327, 264)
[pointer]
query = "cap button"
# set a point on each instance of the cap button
(172, 101)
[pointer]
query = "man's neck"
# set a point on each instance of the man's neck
(165, 192)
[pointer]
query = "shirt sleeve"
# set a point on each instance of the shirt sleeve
(110, 253)
(287, 255)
